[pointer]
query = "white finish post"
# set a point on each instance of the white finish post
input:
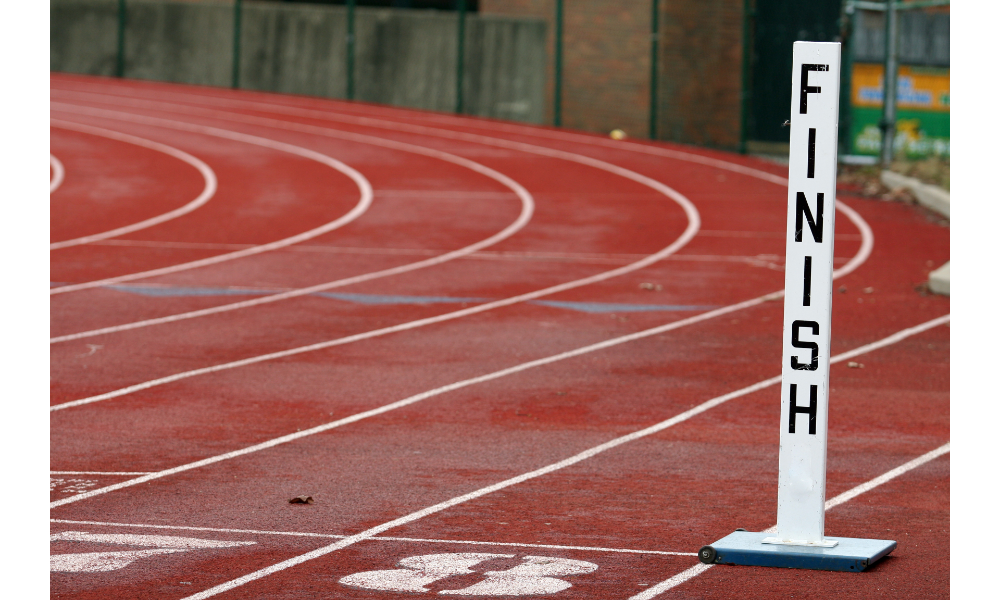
(805, 371)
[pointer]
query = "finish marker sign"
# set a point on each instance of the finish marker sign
(805, 372)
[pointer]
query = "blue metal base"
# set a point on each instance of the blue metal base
(746, 548)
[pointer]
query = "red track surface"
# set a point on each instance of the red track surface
(666, 493)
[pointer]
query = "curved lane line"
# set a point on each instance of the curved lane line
(527, 210)
(567, 462)
(694, 222)
(359, 209)
(58, 173)
(211, 183)
(542, 133)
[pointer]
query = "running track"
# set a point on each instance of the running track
(500, 359)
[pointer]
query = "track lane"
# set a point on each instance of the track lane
(852, 284)
(211, 183)
(527, 208)
(364, 201)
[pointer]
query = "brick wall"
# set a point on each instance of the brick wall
(606, 66)
(606, 56)
(701, 72)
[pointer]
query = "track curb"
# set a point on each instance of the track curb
(936, 199)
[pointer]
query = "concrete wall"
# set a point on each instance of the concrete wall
(84, 36)
(181, 42)
(402, 57)
(701, 77)
(507, 78)
(294, 48)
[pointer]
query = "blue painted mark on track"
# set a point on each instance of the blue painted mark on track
(611, 307)
(383, 299)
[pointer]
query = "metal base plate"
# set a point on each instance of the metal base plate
(850, 554)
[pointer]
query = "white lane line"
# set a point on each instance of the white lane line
(58, 173)
(211, 183)
(700, 568)
(377, 538)
(99, 472)
(527, 210)
(489, 377)
(694, 222)
(363, 203)
(415, 516)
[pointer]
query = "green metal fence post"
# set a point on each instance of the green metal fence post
(120, 59)
(350, 49)
(237, 29)
(847, 29)
(653, 75)
(889, 76)
(557, 100)
(748, 14)
(459, 99)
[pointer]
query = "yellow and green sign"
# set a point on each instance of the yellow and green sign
(923, 116)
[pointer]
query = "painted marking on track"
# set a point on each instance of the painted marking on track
(374, 531)
(95, 562)
(363, 203)
(700, 568)
(389, 299)
(535, 575)
(379, 538)
(58, 173)
(759, 260)
(71, 486)
(211, 183)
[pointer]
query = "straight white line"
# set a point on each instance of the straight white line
(694, 222)
(874, 483)
(527, 210)
(377, 538)
(99, 472)
(211, 183)
(359, 209)
(415, 516)
(58, 173)
(700, 568)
